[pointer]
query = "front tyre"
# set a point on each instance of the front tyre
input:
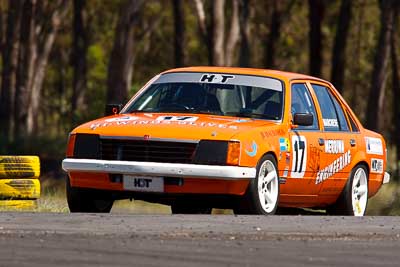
(354, 198)
(86, 200)
(262, 196)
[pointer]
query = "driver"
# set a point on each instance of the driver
(190, 95)
(194, 96)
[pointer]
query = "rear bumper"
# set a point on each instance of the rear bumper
(159, 169)
(386, 178)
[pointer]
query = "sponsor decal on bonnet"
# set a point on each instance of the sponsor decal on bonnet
(177, 118)
(126, 118)
(242, 120)
(161, 120)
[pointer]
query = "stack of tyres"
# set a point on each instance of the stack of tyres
(19, 181)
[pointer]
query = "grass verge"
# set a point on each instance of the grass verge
(53, 199)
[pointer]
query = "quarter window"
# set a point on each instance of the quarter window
(354, 127)
(332, 113)
(303, 103)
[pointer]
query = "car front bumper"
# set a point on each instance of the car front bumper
(159, 169)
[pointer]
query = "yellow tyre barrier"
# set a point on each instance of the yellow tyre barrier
(18, 204)
(12, 167)
(17, 189)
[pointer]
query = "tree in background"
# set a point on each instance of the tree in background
(355, 65)
(315, 16)
(218, 33)
(375, 108)
(31, 31)
(97, 45)
(340, 45)
(9, 66)
(238, 26)
(279, 12)
(179, 33)
(120, 66)
(220, 47)
(395, 82)
(204, 28)
(244, 23)
(36, 41)
(2, 23)
(80, 45)
(274, 34)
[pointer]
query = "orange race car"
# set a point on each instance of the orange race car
(252, 140)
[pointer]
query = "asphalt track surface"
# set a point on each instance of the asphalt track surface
(50, 239)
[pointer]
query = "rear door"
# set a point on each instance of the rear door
(339, 144)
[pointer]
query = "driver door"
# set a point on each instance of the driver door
(305, 149)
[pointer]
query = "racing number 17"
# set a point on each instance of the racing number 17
(299, 162)
(298, 145)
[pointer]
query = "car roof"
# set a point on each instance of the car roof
(282, 75)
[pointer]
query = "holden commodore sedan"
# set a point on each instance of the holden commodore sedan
(251, 140)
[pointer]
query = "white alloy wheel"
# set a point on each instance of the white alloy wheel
(268, 186)
(359, 192)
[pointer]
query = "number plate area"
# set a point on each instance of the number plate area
(143, 183)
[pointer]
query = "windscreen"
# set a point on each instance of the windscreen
(212, 93)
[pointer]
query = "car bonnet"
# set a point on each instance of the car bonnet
(171, 125)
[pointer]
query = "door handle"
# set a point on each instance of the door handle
(352, 142)
(321, 141)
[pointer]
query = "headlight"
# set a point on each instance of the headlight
(87, 146)
(211, 152)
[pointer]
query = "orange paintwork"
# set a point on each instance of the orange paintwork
(302, 192)
(193, 186)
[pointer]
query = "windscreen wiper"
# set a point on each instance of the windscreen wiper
(251, 115)
(207, 111)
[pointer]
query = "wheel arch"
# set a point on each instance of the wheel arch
(365, 164)
(272, 153)
(250, 204)
(341, 206)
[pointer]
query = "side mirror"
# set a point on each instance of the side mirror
(303, 119)
(112, 109)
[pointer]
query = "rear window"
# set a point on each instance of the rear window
(332, 113)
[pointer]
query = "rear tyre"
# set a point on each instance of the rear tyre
(354, 198)
(188, 208)
(86, 200)
(262, 196)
